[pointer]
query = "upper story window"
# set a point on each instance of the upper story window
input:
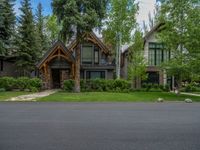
(157, 54)
(1, 65)
(87, 52)
(96, 55)
(90, 54)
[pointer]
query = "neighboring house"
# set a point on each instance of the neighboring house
(58, 64)
(7, 66)
(154, 54)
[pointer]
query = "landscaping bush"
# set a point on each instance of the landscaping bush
(22, 83)
(2, 90)
(101, 85)
(148, 87)
(69, 85)
(35, 83)
(8, 83)
(190, 88)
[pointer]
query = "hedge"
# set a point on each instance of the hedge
(21, 83)
(99, 85)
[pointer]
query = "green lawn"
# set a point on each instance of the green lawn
(7, 95)
(115, 97)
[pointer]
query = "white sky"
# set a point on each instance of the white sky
(146, 6)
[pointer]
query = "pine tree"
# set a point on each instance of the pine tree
(41, 37)
(27, 45)
(78, 17)
(7, 24)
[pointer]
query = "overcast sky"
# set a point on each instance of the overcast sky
(146, 6)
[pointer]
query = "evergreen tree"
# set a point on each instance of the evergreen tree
(7, 24)
(41, 37)
(27, 45)
(78, 17)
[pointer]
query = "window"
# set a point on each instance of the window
(96, 56)
(1, 65)
(151, 57)
(82, 74)
(157, 54)
(87, 54)
(103, 59)
(95, 75)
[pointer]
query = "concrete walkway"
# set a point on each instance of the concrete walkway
(32, 97)
(191, 94)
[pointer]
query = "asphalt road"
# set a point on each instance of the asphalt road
(99, 126)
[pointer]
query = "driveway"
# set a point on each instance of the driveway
(99, 126)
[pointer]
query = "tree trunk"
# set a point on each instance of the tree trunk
(179, 85)
(77, 70)
(133, 83)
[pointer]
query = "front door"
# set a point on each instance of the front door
(56, 78)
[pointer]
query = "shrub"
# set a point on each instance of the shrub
(22, 83)
(69, 85)
(8, 83)
(101, 85)
(33, 89)
(166, 88)
(2, 89)
(155, 86)
(121, 84)
(190, 88)
(35, 83)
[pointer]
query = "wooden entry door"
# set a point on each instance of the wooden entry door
(56, 78)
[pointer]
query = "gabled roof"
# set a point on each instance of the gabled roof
(154, 29)
(51, 50)
(90, 37)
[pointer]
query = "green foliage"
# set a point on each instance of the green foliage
(148, 87)
(36, 83)
(180, 33)
(121, 19)
(8, 83)
(52, 28)
(26, 40)
(41, 36)
(191, 87)
(22, 83)
(105, 85)
(78, 16)
(137, 64)
(69, 85)
(7, 23)
(2, 89)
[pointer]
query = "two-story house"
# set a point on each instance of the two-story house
(155, 55)
(58, 64)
